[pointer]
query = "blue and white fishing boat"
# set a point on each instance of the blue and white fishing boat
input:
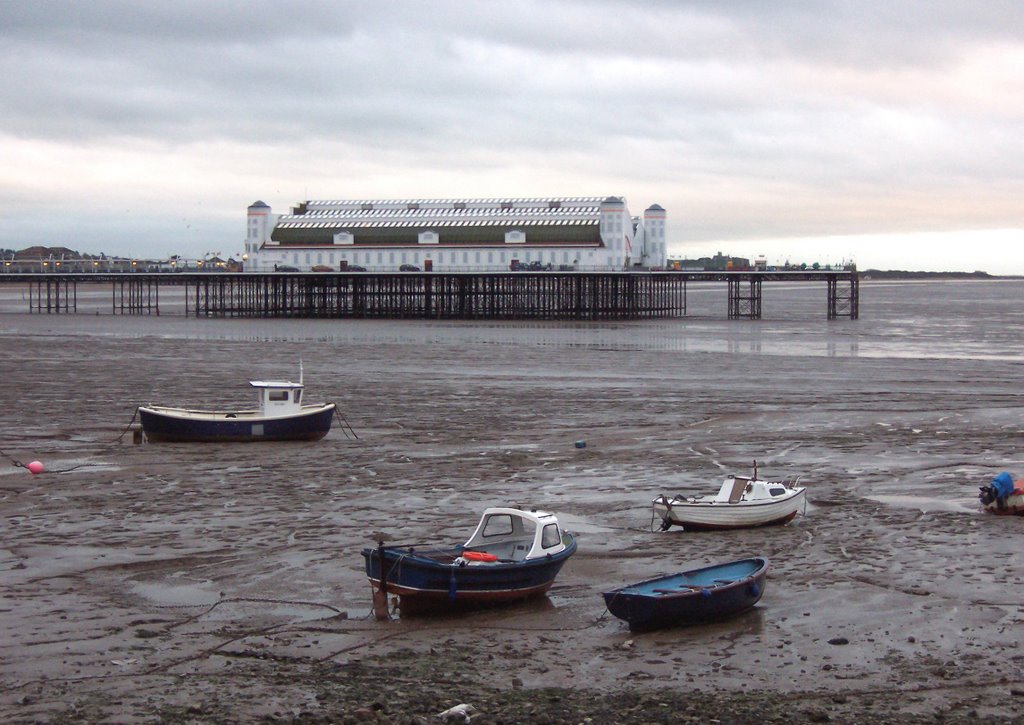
(699, 595)
(281, 416)
(512, 555)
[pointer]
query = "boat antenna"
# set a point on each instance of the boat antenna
(755, 469)
(300, 371)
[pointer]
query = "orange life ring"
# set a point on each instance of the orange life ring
(478, 556)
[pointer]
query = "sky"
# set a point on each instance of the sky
(885, 133)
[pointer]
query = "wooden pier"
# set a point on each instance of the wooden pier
(434, 295)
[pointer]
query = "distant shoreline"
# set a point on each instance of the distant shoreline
(904, 274)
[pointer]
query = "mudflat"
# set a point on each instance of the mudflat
(220, 583)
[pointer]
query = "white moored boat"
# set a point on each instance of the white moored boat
(742, 502)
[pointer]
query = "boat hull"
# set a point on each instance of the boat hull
(691, 597)
(430, 581)
(1012, 505)
(712, 515)
(177, 425)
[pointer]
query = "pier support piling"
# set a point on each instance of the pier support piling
(844, 300)
(745, 304)
(135, 295)
(52, 295)
(493, 295)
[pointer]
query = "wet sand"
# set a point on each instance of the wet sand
(224, 582)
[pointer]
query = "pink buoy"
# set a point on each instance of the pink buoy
(35, 467)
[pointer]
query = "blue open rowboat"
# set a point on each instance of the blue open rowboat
(700, 595)
(512, 555)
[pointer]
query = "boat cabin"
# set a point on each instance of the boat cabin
(741, 488)
(278, 399)
(514, 535)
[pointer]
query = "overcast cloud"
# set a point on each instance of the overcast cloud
(886, 132)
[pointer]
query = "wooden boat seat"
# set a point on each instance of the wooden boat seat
(679, 588)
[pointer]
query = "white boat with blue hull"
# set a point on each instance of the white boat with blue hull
(512, 555)
(281, 416)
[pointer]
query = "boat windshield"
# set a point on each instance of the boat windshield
(502, 525)
(550, 536)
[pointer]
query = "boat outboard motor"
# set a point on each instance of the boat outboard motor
(997, 491)
(666, 521)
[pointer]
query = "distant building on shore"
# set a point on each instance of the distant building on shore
(718, 263)
(590, 233)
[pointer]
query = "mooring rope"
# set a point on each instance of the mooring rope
(347, 429)
(129, 426)
(15, 462)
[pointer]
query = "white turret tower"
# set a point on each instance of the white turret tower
(655, 252)
(617, 232)
(260, 224)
